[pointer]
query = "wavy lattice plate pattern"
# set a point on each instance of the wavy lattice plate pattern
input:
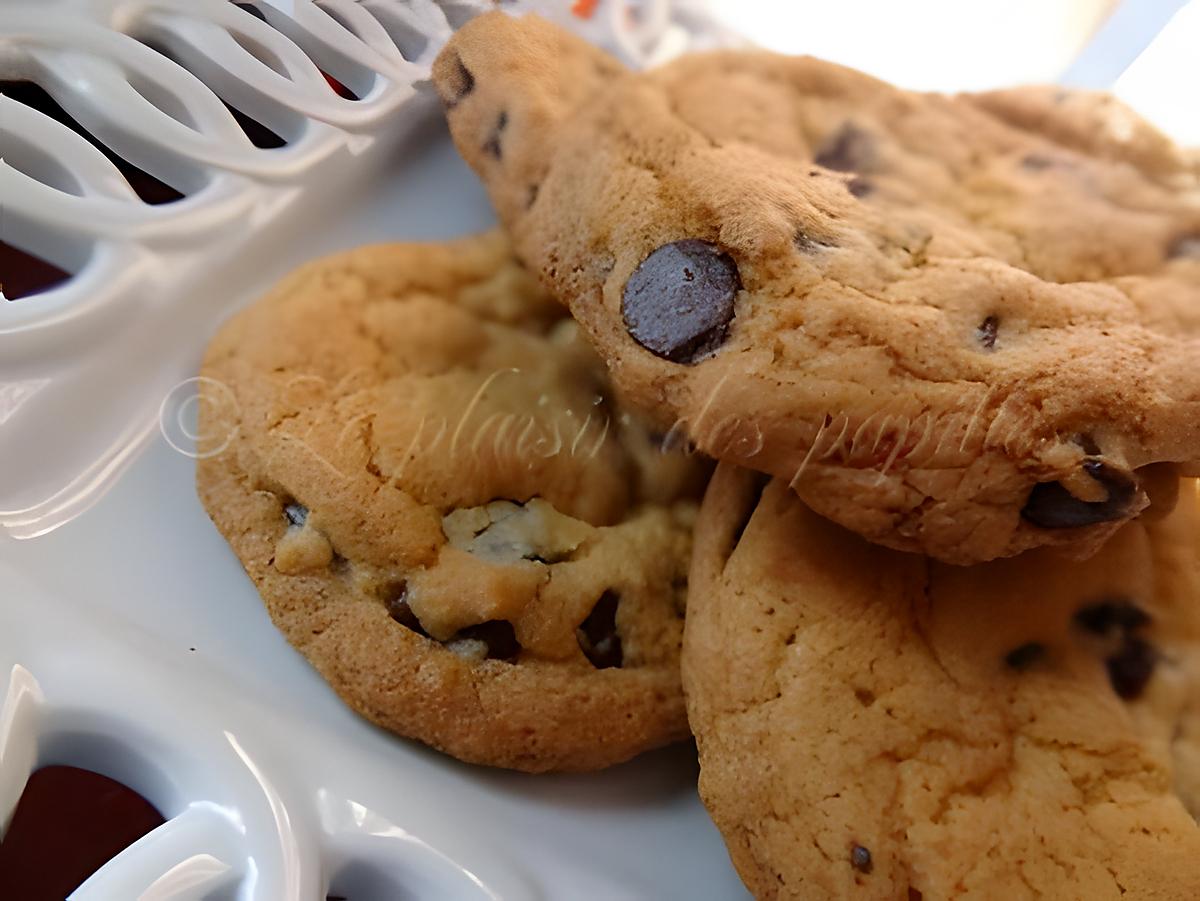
(249, 817)
(255, 120)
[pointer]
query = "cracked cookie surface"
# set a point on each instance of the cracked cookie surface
(873, 724)
(958, 325)
(446, 511)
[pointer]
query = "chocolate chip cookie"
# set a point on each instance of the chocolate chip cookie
(447, 512)
(956, 325)
(872, 724)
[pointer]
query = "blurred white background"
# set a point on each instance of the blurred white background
(1147, 50)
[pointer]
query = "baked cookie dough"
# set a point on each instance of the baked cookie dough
(446, 511)
(956, 325)
(875, 725)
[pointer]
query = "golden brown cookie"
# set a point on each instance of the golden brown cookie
(447, 513)
(875, 725)
(956, 325)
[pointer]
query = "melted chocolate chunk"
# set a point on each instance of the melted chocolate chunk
(986, 333)
(68, 823)
(1112, 615)
(492, 145)
(1051, 506)
(860, 859)
(850, 149)
(1025, 656)
(679, 301)
(457, 85)
(1130, 669)
(597, 635)
(395, 601)
(1186, 247)
(296, 514)
(499, 636)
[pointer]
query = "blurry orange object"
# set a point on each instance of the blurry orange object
(585, 8)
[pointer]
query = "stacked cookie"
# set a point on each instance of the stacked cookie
(944, 598)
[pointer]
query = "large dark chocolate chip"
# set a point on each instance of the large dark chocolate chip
(296, 514)
(499, 636)
(457, 84)
(1130, 669)
(987, 331)
(1186, 247)
(860, 859)
(850, 149)
(395, 601)
(1112, 615)
(1051, 506)
(597, 635)
(492, 145)
(68, 823)
(679, 301)
(1025, 656)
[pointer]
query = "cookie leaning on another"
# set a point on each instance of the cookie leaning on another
(447, 514)
(872, 724)
(957, 325)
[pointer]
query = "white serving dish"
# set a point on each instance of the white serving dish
(130, 640)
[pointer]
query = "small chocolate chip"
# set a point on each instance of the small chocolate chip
(914, 894)
(1025, 656)
(457, 84)
(1088, 444)
(1186, 247)
(296, 514)
(859, 187)
(850, 149)
(1130, 669)
(597, 635)
(492, 145)
(1051, 506)
(1112, 615)
(860, 859)
(499, 636)
(395, 601)
(1036, 162)
(986, 333)
(679, 301)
